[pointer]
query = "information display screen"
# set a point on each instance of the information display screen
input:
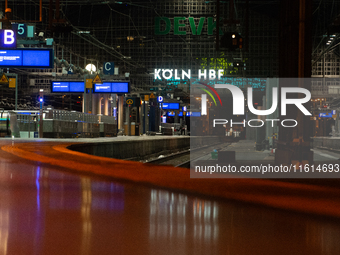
(10, 58)
(171, 106)
(103, 88)
(325, 115)
(112, 87)
(78, 87)
(67, 86)
(27, 58)
(120, 87)
(195, 114)
(61, 86)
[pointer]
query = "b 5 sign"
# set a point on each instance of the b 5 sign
(8, 39)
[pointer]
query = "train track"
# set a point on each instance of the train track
(183, 158)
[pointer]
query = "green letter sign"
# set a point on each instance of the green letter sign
(158, 26)
(193, 25)
(177, 25)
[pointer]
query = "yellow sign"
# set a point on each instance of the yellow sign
(146, 98)
(97, 79)
(89, 83)
(129, 101)
(152, 95)
(4, 79)
(12, 82)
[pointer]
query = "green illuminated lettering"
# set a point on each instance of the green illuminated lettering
(177, 25)
(193, 25)
(212, 26)
(158, 26)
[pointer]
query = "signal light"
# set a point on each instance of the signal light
(231, 41)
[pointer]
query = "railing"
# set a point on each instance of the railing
(57, 123)
(79, 117)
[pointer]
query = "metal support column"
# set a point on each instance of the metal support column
(120, 112)
(295, 61)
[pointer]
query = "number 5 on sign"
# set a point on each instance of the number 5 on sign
(22, 30)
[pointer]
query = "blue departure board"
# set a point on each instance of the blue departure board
(27, 58)
(112, 87)
(78, 87)
(171, 106)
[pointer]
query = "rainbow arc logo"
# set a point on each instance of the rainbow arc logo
(204, 97)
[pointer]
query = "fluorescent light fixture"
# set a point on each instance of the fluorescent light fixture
(91, 68)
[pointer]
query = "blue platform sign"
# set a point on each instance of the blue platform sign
(325, 115)
(120, 87)
(67, 86)
(103, 88)
(109, 68)
(21, 30)
(160, 99)
(112, 87)
(60, 86)
(8, 39)
(195, 114)
(171, 106)
(78, 87)
(26, 58)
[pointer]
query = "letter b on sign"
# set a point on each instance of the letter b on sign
(8, 39)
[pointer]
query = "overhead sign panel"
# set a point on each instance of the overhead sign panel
(325, 115)
(112, 87)
(60, 86)
(109, 68)
(67, 86)
(120, 87)
(196, 114)
(8, 39)
(103, 88)
(11, 58)
(78, 87)
(21, 30)
(171, 106)
(27, 58)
